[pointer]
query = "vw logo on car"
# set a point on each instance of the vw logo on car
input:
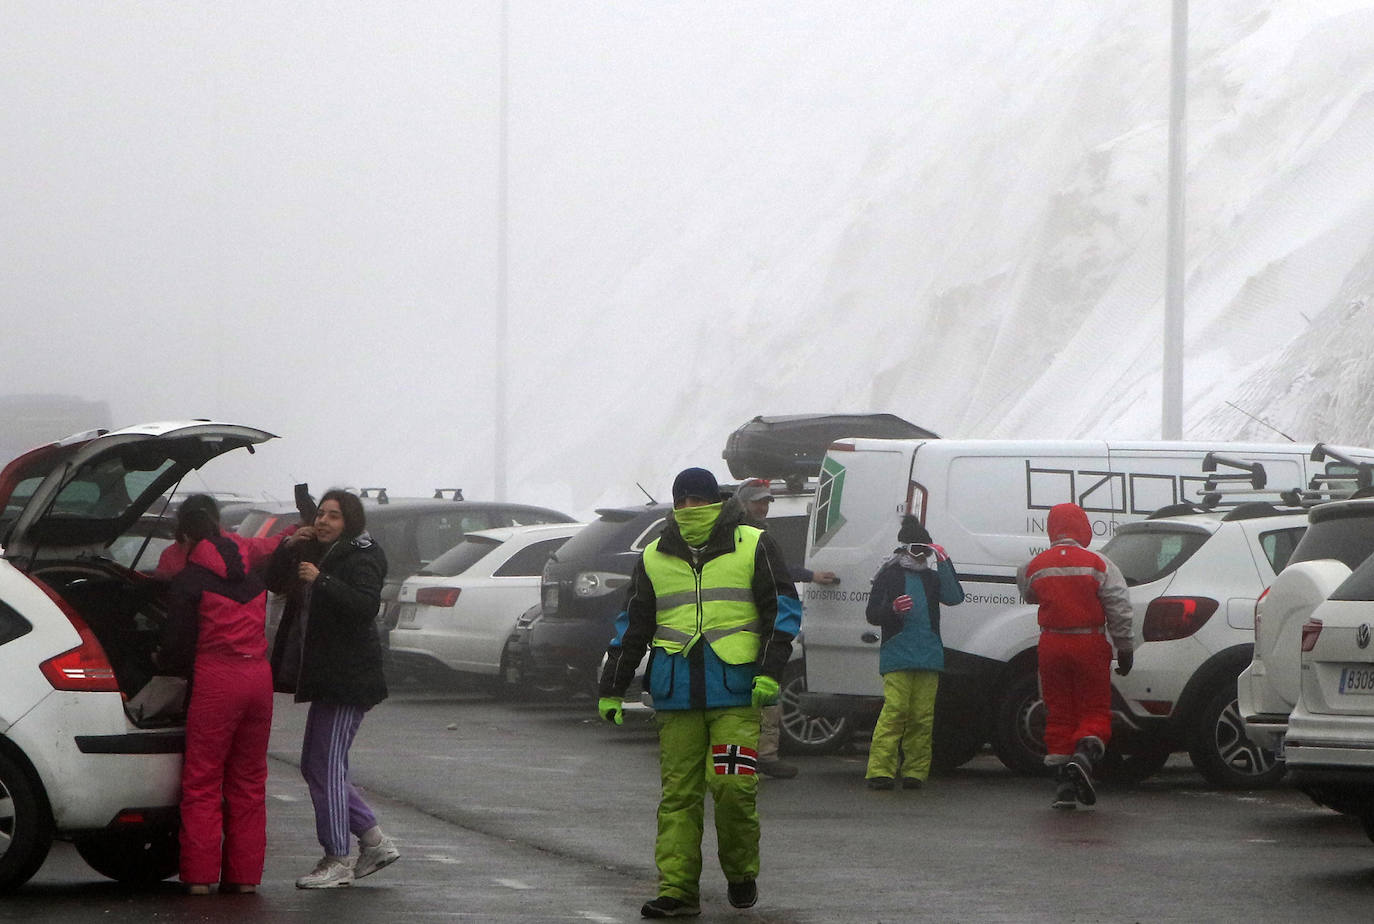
(1362, 635)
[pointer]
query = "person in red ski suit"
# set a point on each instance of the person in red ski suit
(1082, 598)
(216, 633)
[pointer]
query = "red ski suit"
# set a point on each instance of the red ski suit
(1083, 599)
(217, 608)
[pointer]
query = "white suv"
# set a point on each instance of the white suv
(1330, 741)
(76, 634)
(1193, 580)
(1339, 536)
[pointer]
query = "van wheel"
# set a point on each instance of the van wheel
(141, 856)
(26, 826)
(806, 734)
(1018, 731)
(1223, 753)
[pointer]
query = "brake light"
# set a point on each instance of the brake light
(1264, 593)
(1310, 631)
(83, 669)
(437, 596)
(1168, 618)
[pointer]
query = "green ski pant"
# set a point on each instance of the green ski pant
(686, 739)
(906, 723)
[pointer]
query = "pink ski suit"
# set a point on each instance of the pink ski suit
(217, 609)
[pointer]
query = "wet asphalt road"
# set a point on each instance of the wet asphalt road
(538, 812)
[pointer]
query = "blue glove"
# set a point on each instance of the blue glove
(611, 709)
(765, 691)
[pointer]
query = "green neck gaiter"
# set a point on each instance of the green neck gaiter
(695, 523)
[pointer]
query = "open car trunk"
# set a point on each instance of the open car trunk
(125, 611)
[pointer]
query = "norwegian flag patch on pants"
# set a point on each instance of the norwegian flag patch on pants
(734, 758)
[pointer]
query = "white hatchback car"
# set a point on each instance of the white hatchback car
(1330, 740)
(76, 635)
(1193, 580)
(458, 612)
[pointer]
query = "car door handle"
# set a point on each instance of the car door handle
(869, 637)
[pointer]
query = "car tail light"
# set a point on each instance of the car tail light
(437, 596)
(1310, 631)
(83, 669)
(1264, 593)
(548, 597)
(1169, 618)
(598, 583)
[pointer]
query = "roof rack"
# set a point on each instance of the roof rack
(381, 494)
(456, 492)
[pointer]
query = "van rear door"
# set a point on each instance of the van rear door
(853, 527)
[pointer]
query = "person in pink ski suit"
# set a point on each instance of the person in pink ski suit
(216, 633)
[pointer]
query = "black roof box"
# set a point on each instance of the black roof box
(793, 445)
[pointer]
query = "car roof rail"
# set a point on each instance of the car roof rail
(381, 494)
(1174, 510)
(456, 492)
(1253, 510)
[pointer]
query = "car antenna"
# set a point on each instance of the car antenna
(646, 492)
(1263, 421)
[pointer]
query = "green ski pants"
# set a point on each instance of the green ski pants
(906, 723)
(700, 749)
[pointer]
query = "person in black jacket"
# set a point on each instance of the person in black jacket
(328, 654)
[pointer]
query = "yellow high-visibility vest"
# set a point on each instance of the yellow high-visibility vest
(717, 605)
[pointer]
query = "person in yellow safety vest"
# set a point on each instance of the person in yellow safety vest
(713, 600)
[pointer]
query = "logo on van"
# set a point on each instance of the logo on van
(828, 492)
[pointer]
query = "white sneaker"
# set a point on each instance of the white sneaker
(329, 873)
(371, 859)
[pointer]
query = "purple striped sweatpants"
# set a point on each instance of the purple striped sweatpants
(339, 807)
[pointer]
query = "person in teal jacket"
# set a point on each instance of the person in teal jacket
(905, 603)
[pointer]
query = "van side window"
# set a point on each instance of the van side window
(12, 625)
(1278, 546)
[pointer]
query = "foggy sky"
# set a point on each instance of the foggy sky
(283, 215)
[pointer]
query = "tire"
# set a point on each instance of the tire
(26, 825)
(1222, 753)
(1018, 730)
(1134, 767)
(807, 734)
(143, 856)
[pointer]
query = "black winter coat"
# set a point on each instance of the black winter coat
(340, 657)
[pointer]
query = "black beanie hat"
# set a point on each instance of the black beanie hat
(695, 482)
(912, 531)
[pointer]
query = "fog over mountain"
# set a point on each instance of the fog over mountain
(952, 211)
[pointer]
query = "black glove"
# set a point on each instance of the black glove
(1124, 661)
(305, 504)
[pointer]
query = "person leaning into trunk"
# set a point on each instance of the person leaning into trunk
(328, 654)
(1082, 599)
(712, 601)
(905, 603)
(216, 611)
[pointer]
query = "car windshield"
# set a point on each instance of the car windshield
(1148, 555)
(1359, 586)
(461, 557)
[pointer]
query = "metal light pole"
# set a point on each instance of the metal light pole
(502, 269)
(1172, 384)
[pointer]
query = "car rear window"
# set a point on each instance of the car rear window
(12, 625)
(1359, 586)
(1348, 539)
(1148, 555)
(461, 557)
(601, 536)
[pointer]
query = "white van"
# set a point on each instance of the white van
(986, 502)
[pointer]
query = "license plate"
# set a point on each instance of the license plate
(407, 617)
(1357, 680)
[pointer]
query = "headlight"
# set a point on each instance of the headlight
(598, 583)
